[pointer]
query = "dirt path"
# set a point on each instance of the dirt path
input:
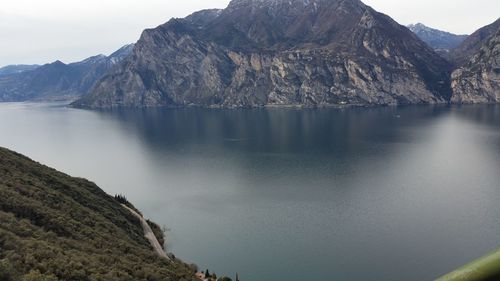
(149, 234)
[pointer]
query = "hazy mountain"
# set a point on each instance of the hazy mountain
(13, 69)
(473, 43)
(55, 227)
(277, 52)
(441, 41)
(478, 80)
(58, 80)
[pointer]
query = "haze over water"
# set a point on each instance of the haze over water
(405, 193)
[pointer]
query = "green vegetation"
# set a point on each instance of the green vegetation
(123, 200)
(484, 269)
(206, 275)
(55, 227)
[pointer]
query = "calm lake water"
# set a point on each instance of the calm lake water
(286, 194)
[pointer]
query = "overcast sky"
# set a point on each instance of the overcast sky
(41, 31)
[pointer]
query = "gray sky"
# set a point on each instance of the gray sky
(40, 31)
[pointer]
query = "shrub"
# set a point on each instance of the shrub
(158, 232)
(35, 275)
(6, 271)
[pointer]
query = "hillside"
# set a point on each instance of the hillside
(277, 52)
(478, 81)
(55, 227)
(58, 80)
(471, 46)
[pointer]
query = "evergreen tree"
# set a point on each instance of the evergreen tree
(207, 274)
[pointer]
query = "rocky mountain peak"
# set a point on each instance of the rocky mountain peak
(418, 26)
(441, 41)
(93, 59)
(57, 63)
(284, 24)
(123, 51)
(121, 54)
(203, 17)
(294, 7)
(260, 52)
(271, 3)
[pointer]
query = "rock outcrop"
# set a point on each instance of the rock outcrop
(277, 52)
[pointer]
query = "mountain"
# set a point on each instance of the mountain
(13, 69)
(440, 41)
(463, 53)
(55, 227)
(121, 54)
(58, 80)
(277, 52)
(478, 81)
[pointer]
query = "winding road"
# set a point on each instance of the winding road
(149, 234)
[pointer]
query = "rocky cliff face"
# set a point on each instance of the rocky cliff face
(57, 80)
(277, 52)
(470, 46)
(478, 81)
(441, 41)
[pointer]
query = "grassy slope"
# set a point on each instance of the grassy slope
(55, 227)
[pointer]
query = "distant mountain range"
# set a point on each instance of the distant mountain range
(56, 80)
(277, 53)
(14, 69)
(441, 41)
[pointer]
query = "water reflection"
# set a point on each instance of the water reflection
(273, 130)
(388, 193)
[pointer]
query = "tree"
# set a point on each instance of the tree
(121, 198)
(207, 274)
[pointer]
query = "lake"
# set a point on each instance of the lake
(390, 193)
